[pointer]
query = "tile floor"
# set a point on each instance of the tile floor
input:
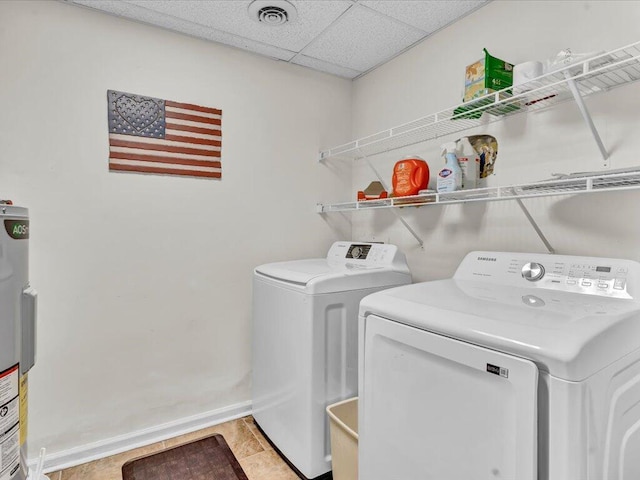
(256, 456)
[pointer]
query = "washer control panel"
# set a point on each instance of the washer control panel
(589, 275)
(363, 255)
(358, 251)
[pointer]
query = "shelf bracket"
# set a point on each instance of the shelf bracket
(587, 117)
(395, 212)
(535, 226)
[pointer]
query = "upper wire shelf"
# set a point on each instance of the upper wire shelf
(594, 75)
(627, 180)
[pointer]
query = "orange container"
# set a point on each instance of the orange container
(410, 175)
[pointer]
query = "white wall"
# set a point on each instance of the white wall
(144, 281)
(430, 77)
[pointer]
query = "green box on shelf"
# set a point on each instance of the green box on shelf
(486, 76)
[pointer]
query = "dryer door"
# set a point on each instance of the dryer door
(435, 408)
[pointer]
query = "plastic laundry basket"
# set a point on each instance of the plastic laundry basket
(343, 420)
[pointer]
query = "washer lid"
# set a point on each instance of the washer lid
(348, 266)
(569, 335)
(317, 276)
(299, 272)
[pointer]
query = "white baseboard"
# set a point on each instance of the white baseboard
(122, 443)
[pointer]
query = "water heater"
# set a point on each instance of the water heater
(17, 339)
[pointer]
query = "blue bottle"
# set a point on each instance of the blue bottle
(449, 177)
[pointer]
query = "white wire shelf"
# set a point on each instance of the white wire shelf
(604, 182)
(594, 75)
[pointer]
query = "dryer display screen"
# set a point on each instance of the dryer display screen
(358, 252)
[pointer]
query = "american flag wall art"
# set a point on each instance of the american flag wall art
(150, 135)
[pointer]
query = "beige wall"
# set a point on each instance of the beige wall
(144, 281)
(430, 78)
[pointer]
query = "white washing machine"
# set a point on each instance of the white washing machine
(520, 367)
(305, 342)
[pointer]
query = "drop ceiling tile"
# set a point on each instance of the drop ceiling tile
(322, 66)
(342, 37)
(313, 16)
(144, 15)
(362, 39)
(428, 16)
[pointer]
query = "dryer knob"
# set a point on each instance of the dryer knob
(533, 271)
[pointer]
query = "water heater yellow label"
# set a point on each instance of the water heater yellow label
(9, 423)
(24, 413)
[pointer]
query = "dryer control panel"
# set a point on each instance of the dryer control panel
(608, 277)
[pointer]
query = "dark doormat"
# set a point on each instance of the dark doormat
(207, 459)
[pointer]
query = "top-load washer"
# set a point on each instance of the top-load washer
(520, 367)
(305, 341)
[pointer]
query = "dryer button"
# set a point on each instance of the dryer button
(619, 283)
(533, 301)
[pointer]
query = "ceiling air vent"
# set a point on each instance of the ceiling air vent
(272, 12)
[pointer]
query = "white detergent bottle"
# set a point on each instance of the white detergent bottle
(469, 162)
(450, 177)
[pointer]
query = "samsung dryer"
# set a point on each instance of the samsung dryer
(520, 367)
(305, 340)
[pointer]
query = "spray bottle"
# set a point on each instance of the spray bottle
(450, 177)
(469, 162)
